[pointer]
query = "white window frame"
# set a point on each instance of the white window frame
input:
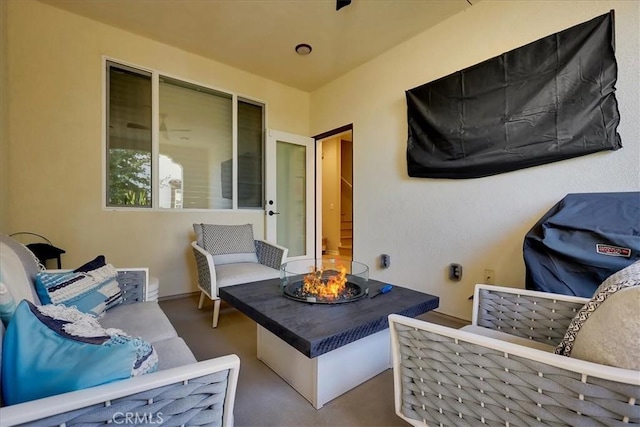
(155, 139)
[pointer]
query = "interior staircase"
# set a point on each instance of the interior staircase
(345, 248)
(346, 236)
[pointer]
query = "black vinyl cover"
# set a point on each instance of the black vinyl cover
(581, 241)
(550, 100)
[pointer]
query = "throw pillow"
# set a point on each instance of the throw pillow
(610, 336)
(197, 228)
(7, 304)
(92, 288)
(229, 244)
(626, 278)
(94, 264)
(49, 350)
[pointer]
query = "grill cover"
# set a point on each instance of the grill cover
(581, 241)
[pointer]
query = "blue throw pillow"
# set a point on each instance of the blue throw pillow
(52, 349)
(91, 288)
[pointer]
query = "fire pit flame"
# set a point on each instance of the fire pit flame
(324, 281)
(331, 288)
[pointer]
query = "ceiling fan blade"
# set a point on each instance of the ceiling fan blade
(342, 3)
(131, 125)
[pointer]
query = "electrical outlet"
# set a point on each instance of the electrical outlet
(490, 277)
(385, 261)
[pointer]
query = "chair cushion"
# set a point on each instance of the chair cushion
(173, 352)
(605, 329)
(142, 319)
(49, 350)
(92, 288)
(229, 243)
(234, 274)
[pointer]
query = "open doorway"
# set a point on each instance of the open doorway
(335, 188)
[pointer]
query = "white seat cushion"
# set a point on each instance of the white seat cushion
(173, 352)
(142, 319)
(244, 272)
(503, 336)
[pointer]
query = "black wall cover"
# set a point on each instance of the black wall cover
(550, 100)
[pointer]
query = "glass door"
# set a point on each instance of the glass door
(290, 208)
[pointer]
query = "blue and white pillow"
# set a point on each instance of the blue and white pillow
(49, 350)
(91, 288)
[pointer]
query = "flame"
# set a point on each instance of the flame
(329, 289)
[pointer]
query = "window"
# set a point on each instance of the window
(191, 163)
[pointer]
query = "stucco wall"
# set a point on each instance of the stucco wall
(425, 224)
(4, 124)
(55, 85)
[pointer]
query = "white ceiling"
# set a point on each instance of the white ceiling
(259, 36)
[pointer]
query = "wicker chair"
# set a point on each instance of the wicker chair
(472, 376)
(219, 266)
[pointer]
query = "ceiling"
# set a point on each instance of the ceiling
(259, 36)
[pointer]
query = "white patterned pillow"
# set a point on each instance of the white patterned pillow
(229, 243)
(581, 339)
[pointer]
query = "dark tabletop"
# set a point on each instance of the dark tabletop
(315, 329)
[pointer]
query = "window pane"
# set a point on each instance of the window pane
(128, 138)
(290, 188)
(250, 151)
(195, 141)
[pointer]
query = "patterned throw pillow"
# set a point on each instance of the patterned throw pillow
(49, 350)
(91, 288)
(229, 244)
(610, 336)
(624, 279)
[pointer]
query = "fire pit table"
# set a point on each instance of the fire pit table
(324, 350)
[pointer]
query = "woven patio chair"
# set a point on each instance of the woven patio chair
(502, 370)
(229, 255)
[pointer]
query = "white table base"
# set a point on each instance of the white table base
(331, 374)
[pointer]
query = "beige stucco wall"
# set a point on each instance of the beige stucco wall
(4, 124)
(425, 224)
(55, 140)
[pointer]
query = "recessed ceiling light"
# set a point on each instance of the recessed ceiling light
(303, 49)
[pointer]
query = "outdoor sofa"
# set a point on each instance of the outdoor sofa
(182, 391)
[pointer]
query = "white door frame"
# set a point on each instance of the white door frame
(318, 207)
(271, 233)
